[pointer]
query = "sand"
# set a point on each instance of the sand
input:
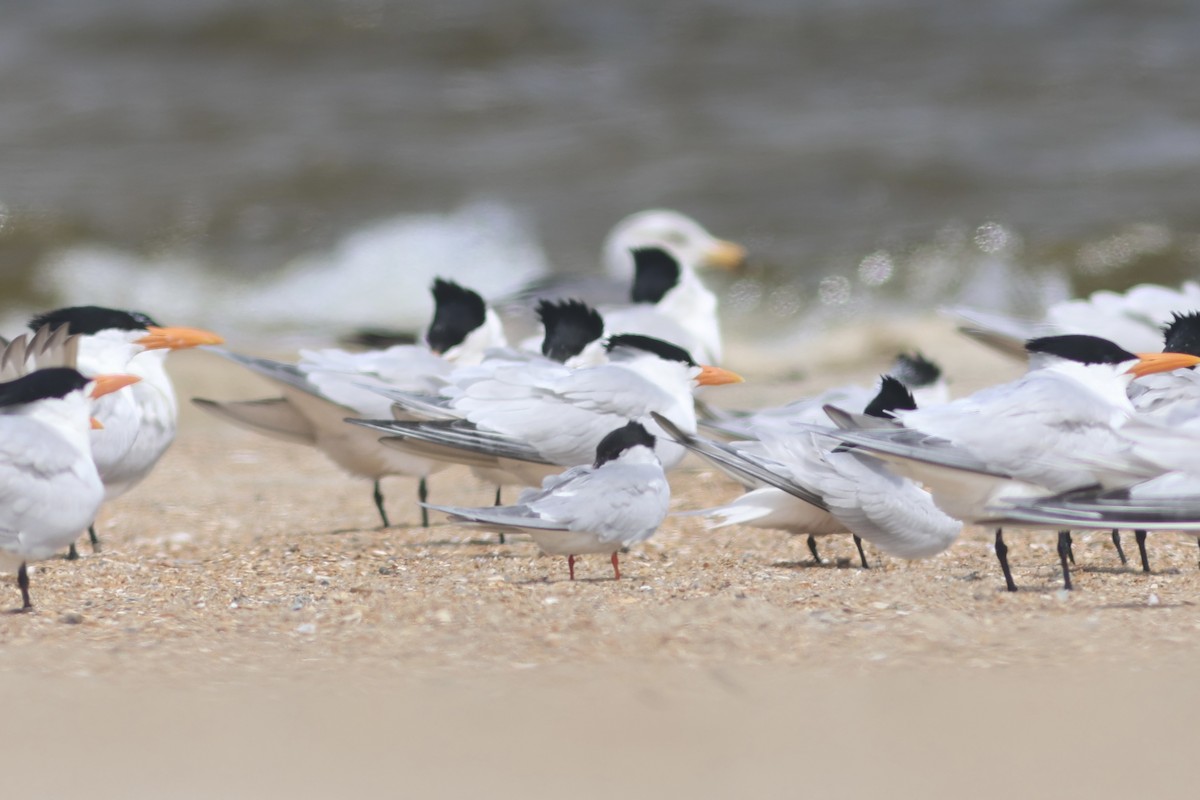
(248, 630)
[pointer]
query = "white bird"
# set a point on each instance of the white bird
(1053, 430)
(326, 385)
(618, 500)
(806, 486)
(522, 422)
(139, 424)
(670, 303)
(49, 487)
(696, 248)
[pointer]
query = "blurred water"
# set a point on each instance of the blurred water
(868, 151)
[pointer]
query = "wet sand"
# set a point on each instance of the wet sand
(249, 630)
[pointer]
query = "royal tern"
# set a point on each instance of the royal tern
(1054, 429)
(49, 487)
(523, 422)
(669, 303)
(618, 500)
(325, 386)
(807, 486)
(139, 424)
(696, 247)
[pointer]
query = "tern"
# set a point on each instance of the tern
(325, 386)
(1053, 430)
(618, 500)
(523, 422)
(139, 424)
(49, 487)
(806, 485)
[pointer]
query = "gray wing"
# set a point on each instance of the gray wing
(273, 416)
(743, 465)
(453, 441)
(1168, 502)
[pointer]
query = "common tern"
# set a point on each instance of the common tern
(326, 385)
(139, 424)
(1053, 430)
(618, 500)
(806, 485)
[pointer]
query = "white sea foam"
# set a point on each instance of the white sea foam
(378, 275)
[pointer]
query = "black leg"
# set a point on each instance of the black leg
(422, 496)
(1002, 555)
(1070, 547)
(812, 548)
(72, 553)
(861, 555)
(379, 505)
(502, 534)
(1064, 547)
(23, 583)
(1140, 538)
(95, 540)
(1117, 544)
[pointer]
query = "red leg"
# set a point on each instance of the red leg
(616, 567)
(571, 566)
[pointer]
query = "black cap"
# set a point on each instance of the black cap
(620, 440)
(655, 272)
(88, 320)
(893, 396)
(1182, 334)
(1081, 348)
(457, 311)
(664, 350)
(41, 385)
(570, 326)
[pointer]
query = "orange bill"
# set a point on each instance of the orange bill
(725, 255)
(1150, 363)
(715, 376)
(97, 425)
(177, 338)
(107, 384)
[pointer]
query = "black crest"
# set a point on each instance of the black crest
(1081, 348)
(88, 320)
(570, 326)
(1182, 334)
(915, 370)
(655, 272)
(620, 440)
(40, 385)
(457, 312)
(893, 396)
(664, 350)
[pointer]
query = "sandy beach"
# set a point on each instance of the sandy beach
(249, 630)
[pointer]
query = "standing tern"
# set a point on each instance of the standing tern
(523, 422)
(1054, 429)
(806, 486)
(139, 424)
(49, 487)
(325, 386)
(618, 500)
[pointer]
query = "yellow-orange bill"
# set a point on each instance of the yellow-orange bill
(97, 425)
(715, 376)
(1149, 363)
(107, 384)
(725, 255)
(177, 338)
